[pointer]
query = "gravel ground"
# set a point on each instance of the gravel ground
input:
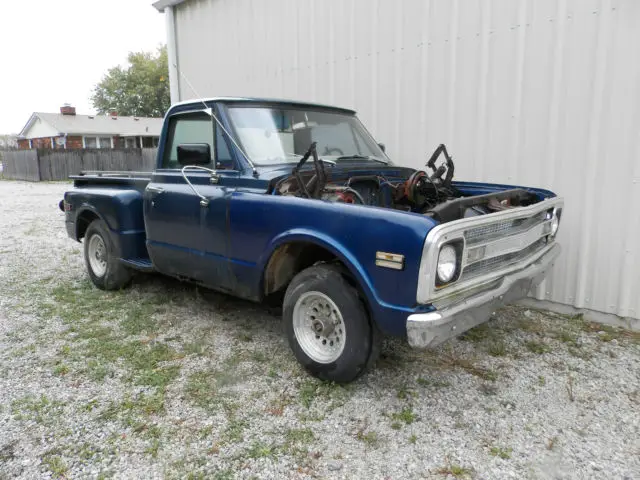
(165, 380)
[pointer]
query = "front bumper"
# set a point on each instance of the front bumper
(432, 328)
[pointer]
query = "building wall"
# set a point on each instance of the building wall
(540, 93)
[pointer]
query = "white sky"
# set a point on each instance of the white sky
(55, 51)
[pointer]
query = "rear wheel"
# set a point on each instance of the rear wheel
(100, 255)
(327, 325)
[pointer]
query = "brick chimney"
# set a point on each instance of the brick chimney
(67, 109)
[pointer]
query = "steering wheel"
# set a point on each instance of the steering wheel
(329, 151)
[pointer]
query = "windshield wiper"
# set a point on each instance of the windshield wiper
(361, 157)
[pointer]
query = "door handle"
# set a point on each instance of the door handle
(155, 189)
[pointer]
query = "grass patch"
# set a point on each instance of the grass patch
(504, 453)
(40, 410)
(312, 390)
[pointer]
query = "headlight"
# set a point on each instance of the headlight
(447, 263)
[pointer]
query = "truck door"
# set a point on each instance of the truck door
(185, 236)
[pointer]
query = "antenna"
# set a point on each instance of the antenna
(209, 110)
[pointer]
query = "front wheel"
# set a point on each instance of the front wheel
(100, 255)
(327, 325)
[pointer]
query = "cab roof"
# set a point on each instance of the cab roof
(259, 100)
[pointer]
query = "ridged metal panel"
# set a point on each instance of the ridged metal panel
(541, 93)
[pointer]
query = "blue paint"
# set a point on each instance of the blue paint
(227, 245)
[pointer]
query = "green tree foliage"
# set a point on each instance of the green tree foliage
(141, 88)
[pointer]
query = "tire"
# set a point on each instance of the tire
(341, 343)
(101, 258)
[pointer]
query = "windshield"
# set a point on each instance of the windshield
(272, 135)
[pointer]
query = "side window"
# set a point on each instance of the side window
(187, 128)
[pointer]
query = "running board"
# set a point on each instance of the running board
(141, 264)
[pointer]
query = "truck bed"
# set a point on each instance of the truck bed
(138, 180)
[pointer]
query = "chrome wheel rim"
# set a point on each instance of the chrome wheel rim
(319, 327)
(97, 253)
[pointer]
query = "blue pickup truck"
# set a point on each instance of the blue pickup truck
(296, 203)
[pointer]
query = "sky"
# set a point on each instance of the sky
(55, 51)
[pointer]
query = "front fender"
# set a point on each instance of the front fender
(331, 244)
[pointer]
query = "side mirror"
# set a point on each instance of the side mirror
(194, 154)
(382, 147)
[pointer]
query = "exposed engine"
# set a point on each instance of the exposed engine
(432, 194)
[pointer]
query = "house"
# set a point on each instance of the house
(69, 130)
(534, 92)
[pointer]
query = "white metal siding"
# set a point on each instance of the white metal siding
(543, 93)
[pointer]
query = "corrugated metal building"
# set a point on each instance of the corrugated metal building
(543, 93)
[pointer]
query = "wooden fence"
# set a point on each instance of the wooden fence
(47, 165)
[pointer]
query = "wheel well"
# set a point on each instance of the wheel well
(83, 221)
(290, 259)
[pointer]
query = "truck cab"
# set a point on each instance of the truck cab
(293, 202)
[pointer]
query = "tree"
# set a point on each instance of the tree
(139, 89)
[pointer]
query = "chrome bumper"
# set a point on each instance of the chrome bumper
(432, 328)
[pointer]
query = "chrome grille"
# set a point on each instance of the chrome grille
(496, 263)
(493, 231)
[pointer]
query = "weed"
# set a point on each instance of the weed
(580, 353)
(426, 382)
(405, 415)
(477, 334)
(405, 393)
(300, 435)
(153, 448)
(234, 431)
(570, 391)
(467, 365)
(61, 369)
(141, 404)
(310, 390)
(370, 438)
(541, 381)
(497, 348)
(488, 389)
(396, 425)
(537, 347)
(413, 438)
(455, 471)
(551, 443)
(55, 465)
(504, 453)
(261, 450)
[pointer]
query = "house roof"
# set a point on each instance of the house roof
(97, 124)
